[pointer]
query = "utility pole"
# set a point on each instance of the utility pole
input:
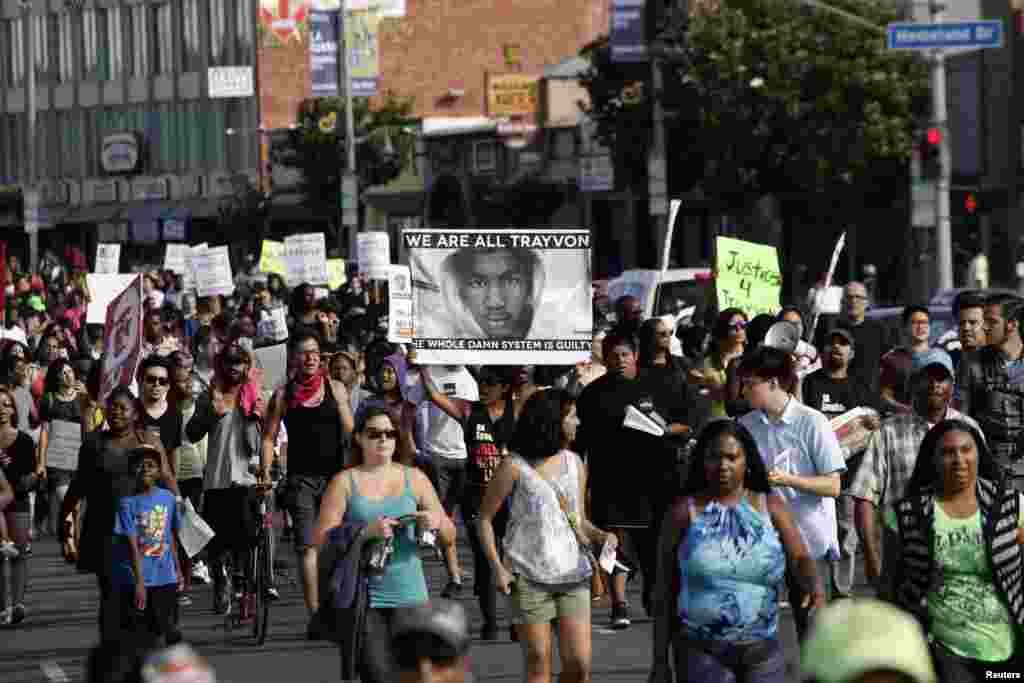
(657, 175)
(29, 189)
(349, 204)
(943, 225)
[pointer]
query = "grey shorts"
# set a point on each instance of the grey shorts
(301, 499)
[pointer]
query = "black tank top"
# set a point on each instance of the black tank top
(316, 442)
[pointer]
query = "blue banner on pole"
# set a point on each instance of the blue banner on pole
(627, 32)
(324, 33)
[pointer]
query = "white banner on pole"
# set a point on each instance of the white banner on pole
(213, 272)
(104, 288)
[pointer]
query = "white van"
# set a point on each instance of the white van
(678, 290)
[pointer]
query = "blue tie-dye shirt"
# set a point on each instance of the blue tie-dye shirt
(732, 566)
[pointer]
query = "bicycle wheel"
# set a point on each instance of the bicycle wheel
(265, 572)
(258, 596)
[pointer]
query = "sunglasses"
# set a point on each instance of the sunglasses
(378, 434)
(159, 381)
(741, 325)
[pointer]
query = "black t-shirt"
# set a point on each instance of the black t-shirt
(485, 439)
(871, 339)
(52, 408)
(18, 459)
(835, 396)
(170, 426)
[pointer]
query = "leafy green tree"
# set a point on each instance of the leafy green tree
(384, 144)
(763, 97)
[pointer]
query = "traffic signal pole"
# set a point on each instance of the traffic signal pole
(943, 222)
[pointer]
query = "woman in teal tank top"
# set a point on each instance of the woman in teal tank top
(378, 491)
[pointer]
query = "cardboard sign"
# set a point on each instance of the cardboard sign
(103, 289)
(65, 440)
(747, 276)
(306, 259)
(108, 258)
(400, 313)
(188, 278)
(336, 273)
(272, 258)
(122, 338)
(213, 272)
(373, 251)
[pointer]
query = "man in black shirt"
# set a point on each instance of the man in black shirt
(833, 391)
(870, 338)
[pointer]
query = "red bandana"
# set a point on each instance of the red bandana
(306, 389)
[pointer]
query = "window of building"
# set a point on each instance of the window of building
(41, 48)
(485, 156)
(218, 33)
(67, 55)
(53, 48)
(190, 58)
(6, 77)
(139, 47)
(161, 38)
(245, 30)
(101, 43)
(17, 51)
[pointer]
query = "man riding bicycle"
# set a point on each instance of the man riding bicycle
(230, 413)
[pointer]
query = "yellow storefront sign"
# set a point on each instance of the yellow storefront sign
(511, 95)
(747, 276)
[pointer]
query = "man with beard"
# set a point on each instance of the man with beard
(317, 415)
(969, 309)
(631, 473)
(870, 337)
(628, 315)
(230, 412)
(992, 384)
(832, 391)
(881, 479)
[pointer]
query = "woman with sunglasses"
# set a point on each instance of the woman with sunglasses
(377, 491)
(157, 415)
(105, 474)
(728, 339)
(60, 411)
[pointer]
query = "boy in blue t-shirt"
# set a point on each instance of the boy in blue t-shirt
(146, 569)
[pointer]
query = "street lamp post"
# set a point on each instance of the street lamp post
(349, 201)
(29, 191)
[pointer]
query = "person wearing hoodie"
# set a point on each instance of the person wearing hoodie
(390, 395)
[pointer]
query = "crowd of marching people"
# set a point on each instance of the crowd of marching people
(782, 454)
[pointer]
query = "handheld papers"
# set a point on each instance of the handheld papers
(176, 258)
(851, 430)
(272, 258)
(195, 533)
(642, 422)
(336, 273)
(373, 251)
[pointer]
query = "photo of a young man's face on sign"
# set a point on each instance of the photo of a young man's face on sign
(502, 293)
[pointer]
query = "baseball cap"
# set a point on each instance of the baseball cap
(842, 332)
(932, 357)
(852, 637)
(438, 630)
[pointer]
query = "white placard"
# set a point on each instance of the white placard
(188, 278)
(454, 381)
(305, 256)
(230, 81)
(176, 258)
(195, 533)
(65, 440)
(273, 326)
(213, 272)
(373, 253)
(273, 360)
(104, 288)
(400, 313)
(108, 258)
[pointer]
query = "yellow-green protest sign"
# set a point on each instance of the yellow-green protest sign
(272, 258)
(336, 272)
(747, 276)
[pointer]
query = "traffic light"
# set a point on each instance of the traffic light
(970, 203)
(928, 145)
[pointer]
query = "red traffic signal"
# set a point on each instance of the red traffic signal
(971, 203)
(934, 136)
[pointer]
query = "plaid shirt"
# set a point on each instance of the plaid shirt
(889, 460)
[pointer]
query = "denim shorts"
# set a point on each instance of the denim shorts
(721, 661)
(301, 499)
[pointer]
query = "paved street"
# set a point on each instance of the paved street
(61, 627)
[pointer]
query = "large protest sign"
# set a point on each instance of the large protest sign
(176, 258)
(122, 338)
(212, 270)
(747, 276)
(108, 258)
(505, 296)
(103, 289)
(306, 259)
(400, 305)
(373, 254)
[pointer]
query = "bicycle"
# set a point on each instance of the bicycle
(253, 602)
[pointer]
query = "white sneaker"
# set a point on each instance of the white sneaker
(200, 573)
(8, 550)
